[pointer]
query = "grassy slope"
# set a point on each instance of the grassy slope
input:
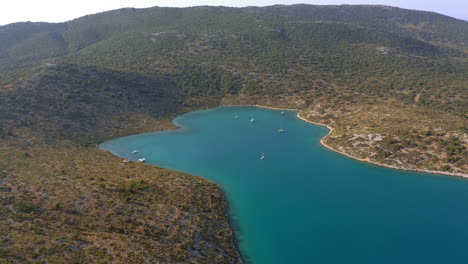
(391, 82)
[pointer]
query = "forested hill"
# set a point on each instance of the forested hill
(427, 26)
(375, 25)
(272, 49)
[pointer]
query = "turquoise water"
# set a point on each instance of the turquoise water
(304, 203)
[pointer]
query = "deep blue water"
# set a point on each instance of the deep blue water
(304, 203)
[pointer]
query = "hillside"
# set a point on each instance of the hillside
(391, 82)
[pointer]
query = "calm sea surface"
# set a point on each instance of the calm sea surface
(304, 203)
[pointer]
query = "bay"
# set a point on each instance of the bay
(304, 203)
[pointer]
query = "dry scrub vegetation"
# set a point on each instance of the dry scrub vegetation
(82, 205)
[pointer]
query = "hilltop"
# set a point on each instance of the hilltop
(391, 82)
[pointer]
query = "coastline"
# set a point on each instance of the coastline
(227, 208)
(331, 130)
(234, 236)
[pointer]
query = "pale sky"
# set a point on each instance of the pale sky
(62, 10)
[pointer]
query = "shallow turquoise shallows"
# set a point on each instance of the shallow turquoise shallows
(304, 203)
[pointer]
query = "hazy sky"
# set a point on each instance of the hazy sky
(62, 10)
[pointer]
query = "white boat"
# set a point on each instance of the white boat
(263, 156)
(142, 160)
(281, 130)
(135, 151)
(236, 116)
(252, 119)
(282, 112)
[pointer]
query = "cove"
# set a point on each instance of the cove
(304, 203)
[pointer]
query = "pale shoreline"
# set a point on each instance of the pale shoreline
(331, 129)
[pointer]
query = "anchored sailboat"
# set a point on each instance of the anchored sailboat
(263, 156)
(281, 130)
(252, 119)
